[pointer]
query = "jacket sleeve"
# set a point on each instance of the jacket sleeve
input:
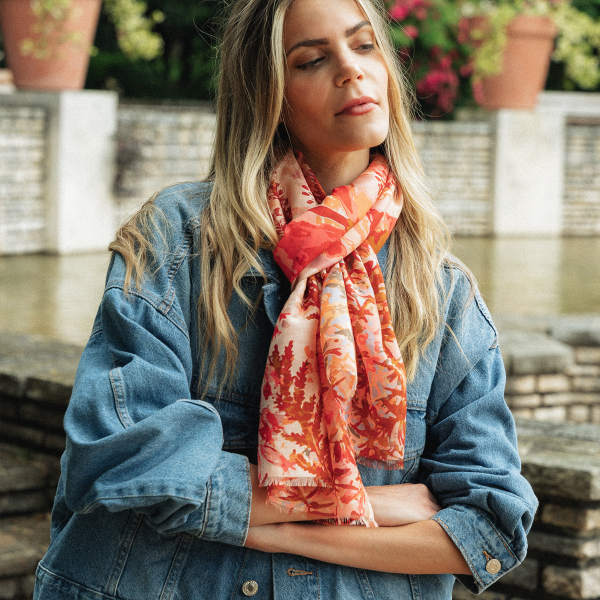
(472, 466)
(135, 437)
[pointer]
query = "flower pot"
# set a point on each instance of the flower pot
(64, 65)
(525, 65)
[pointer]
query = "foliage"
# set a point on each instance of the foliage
(133, 28)
(185, 69)
(427, 37)
(578, 45)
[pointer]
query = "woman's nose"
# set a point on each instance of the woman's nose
(349, 71)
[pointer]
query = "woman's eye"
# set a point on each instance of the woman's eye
(310, 64)
(366, 47)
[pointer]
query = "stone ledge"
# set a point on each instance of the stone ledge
(23, 543)
(561, 460)
(37, 368)
(530, 353)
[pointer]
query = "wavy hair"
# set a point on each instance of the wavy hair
(250, 140)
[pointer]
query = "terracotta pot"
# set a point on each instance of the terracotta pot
(525, 64)
(66, 65)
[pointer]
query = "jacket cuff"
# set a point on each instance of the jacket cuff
(481, 544)
(227, 515)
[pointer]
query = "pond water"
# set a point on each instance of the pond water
(57, 297)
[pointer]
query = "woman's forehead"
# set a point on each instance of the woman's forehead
(316, 19)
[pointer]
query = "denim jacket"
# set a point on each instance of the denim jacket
(154, 497)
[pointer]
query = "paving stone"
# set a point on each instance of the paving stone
(524, 401)
(22, 503)
(553, 383)
(595, 415)
(12, 385)
(39, 368)
(26, 436)
(460, 592)
(561, 399)
(27, 585)
(523, 384)
(576, 519)
(550, 413)
(587, 356)
(524, 413)
(586, 384)
(23, 542)
(561, 459)
(573, 583)
(18, 474)
(38, 414)
(580, 413)
(573, 547)
(583, 370)
(524, 576)
(577, 330)
(9, 588)
(534, 353)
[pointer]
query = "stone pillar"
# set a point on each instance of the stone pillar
(530, 163)
(80, 166)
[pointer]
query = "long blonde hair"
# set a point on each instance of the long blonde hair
(249, 142)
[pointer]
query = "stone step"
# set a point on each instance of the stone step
(23, 542)
(23, 482)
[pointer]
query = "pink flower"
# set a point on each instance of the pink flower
(411, 31)
(400, 12)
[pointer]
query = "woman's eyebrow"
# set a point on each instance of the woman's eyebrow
(325, 41)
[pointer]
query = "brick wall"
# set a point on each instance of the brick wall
(160, 145)
(553, 371)
(22, 175)
(562, 464)
(582, 177)
(457, 157)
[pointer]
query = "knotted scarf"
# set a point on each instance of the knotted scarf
(334, 388)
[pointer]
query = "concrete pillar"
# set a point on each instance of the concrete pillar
(80, 166)
(530, 163)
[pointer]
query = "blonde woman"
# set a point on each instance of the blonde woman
(291, 390)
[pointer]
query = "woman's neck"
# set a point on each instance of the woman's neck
(341, 169)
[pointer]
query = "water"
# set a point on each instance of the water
(57, 297)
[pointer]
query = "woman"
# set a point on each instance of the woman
(249, 371)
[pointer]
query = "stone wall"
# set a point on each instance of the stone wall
(562, 464)
(553, 367)
(458, 162)
(158, 146)
(582, 177)
(22, 176)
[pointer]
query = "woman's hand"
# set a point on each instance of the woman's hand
(402, 503)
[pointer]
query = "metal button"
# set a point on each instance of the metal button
(250, 588)
(493, 566)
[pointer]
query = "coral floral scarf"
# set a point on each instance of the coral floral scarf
(334, 389)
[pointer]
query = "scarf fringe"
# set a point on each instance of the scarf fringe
(374, 463)
(296, 482)
(348, 521)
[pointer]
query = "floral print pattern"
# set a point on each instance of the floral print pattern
(334, 389)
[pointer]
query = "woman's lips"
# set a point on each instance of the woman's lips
(359, 106)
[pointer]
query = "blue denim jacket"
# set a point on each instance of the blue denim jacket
(154, 497)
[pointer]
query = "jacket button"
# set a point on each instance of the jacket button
(250, 588)
(493, 566)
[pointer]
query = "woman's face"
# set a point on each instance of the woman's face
(337, 81)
